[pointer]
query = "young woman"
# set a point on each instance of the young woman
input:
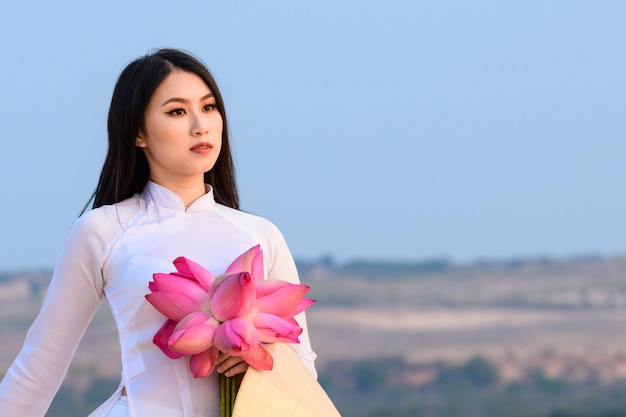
(167, 189)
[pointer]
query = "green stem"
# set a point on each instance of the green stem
(228, 392)
(233, 392)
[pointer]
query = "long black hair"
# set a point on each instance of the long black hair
(125, 170)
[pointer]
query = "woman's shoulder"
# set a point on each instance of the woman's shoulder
(249, 221)
(107, 219)
(276, 252)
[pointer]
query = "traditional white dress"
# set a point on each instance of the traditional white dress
(112, 252)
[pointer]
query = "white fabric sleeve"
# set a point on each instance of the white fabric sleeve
(283, 267)
(75, 291)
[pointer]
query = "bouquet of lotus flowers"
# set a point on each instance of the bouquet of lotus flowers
(235, 313)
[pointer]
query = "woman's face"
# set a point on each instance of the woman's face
(182, 132)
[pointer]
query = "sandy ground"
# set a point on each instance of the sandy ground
(425, 335)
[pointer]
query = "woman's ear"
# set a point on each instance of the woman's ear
(139, 142)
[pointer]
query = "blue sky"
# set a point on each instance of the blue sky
(386, 130)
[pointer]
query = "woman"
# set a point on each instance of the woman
(167, 189)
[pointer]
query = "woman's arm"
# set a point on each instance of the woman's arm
(283, 267)
(75, 291)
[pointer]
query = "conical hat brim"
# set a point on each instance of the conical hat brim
(288, 390)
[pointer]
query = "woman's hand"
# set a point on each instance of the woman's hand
(231, 365)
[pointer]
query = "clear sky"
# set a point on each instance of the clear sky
(387, 130)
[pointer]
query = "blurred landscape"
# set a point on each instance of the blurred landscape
(517, 338)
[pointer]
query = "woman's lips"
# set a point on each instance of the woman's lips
(202, 148)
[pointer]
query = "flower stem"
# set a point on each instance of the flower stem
(228, 392)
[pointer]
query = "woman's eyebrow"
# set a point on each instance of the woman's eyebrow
(184, 100)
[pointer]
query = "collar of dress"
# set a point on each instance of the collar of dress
(163, 197)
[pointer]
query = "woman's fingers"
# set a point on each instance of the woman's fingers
(231, 365)
(238, 369)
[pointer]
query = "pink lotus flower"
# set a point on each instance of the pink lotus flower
(236, 312)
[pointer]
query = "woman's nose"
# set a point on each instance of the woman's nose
(199, 127)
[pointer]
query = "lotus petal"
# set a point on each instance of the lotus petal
(202, 364)
(302, 305)
(236, 336)
(194, 333)
(269, 286)
(234, 297)
(161, 337)
(259, 358)
(189, 268)
(195, 319)
(275, 329)
(217, 282)
(250, 261)
(171, 282)
(257, 271)
(174, 305)
(282, 301)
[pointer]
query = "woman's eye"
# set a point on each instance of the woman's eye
(176, 112)
(209, 107)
